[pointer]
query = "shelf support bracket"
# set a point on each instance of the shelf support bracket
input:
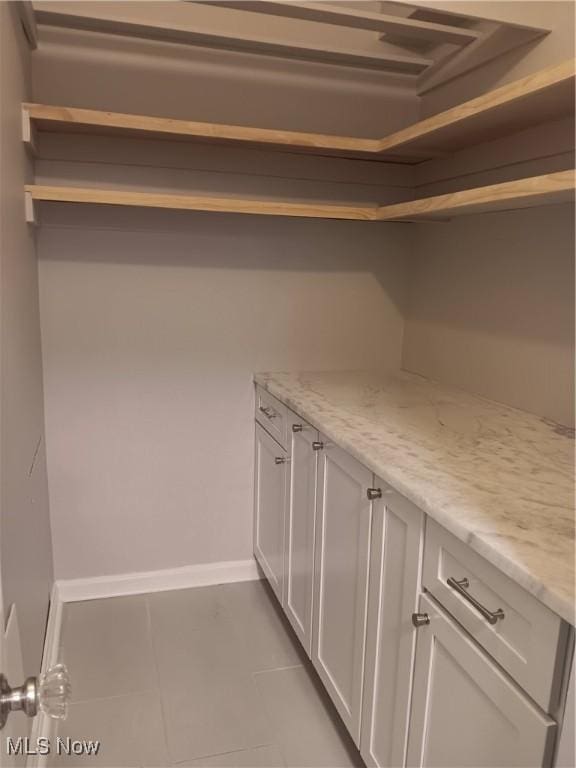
(29, 134)
(30, 209)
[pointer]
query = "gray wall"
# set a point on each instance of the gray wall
(24, 521)
(555, 48)
(153, 322)
(151, 334)
(491, 305)
(492, 308)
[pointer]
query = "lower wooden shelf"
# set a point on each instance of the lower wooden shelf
(202, 203)
(547, 189)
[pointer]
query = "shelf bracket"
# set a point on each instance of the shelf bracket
(30, 209)
(29, 133)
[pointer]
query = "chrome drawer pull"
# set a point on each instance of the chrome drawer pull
(461, 586)
(269, 412)
(317, 445)
(279, 460)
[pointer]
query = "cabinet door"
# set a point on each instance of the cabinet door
(299, 564)
(395, 561)
(466, 712)
(269, 504)
(341, 580)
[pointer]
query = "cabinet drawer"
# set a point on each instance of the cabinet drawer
(465, 710)
(272, 415)
(524, 636)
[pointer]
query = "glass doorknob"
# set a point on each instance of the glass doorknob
(49, 693)
(54, 690)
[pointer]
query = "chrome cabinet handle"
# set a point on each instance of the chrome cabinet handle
(317, 445)
(420, 619)
(374, 493)
(279, 460)
(460, 586)
(297, 427)
(267, 411)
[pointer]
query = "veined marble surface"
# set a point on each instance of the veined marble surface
(500, 479)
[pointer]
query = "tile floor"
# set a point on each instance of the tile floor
(198, 677)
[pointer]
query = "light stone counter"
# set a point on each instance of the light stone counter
(500, 479)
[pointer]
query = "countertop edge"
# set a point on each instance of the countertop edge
(551, 600)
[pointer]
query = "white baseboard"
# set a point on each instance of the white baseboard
(117, 585)
(42, 725)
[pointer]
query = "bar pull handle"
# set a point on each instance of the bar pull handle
(461, 586)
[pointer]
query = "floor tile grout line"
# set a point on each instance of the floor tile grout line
(270, 720)
(127, 695)
(222, 754)
(277, 669)
(157, 671)
(151, 638)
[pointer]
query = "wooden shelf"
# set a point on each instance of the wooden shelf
(202, 203)
(545, 95)
(535, 99)
(550, 189)
(74, 120)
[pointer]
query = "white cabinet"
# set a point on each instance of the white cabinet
(351, 571)
(525, 637)
(466, 712)
(270, 474)
(272, 415)
(397, 532)
(299, 536)
(341, 580)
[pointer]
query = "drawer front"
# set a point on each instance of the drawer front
(272, 415)
(465, 710)
(518, 631)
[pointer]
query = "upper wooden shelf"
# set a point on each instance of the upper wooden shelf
(523, 193)
(545, 95)
(540, 97)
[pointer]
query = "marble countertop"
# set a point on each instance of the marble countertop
(500, 479)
